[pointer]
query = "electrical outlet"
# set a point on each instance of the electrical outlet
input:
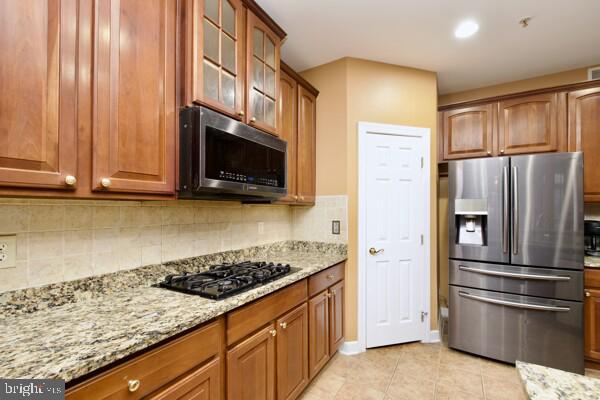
(261, 228)
(8, 251)
(335, 227)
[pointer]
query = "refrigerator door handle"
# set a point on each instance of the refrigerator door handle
(515, 275)
(513, 304)
(515, 210)
(505, 191)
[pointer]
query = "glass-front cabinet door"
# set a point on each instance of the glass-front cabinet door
(216, 43)
(262, 66)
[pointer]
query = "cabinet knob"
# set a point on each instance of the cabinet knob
(330, 276)
(489, 153)
(502, 151)
(301, 197)
(328, 295)
(133, 385)
(587, 294)
(70, 180)
(253, 120)
(241, 113)
(105, 183)
(333, 293)
(273, 332)
(295, 197)
(283, 325)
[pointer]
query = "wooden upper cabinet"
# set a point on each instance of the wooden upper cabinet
(336, 317)
(292, 353)
(318, 333)
(38, 124)
(584, 135)
(251, 367)
(468, 132)
(307, 110)
(531, 124)
(215, 55)
(262, 71)
(134, 119)
(288, 96)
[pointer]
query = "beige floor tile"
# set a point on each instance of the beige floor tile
(503, 389)
(443, 392)
(314, 392)
(460, 360)
(359, 391)
(408, 388)
(592, 373)
(499, 370)
(461, 380)
(417, 368)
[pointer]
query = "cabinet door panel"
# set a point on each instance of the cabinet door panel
(530, 124)
(292, 353)
(584, 135)
(38, 125)
(251, 367)
(263, 74)
(134, 106)
(215, 55)
(318, 333)
(288, 89)
(307, 109)
(592, 324)
(468, 132)
(336, 317)
(203, 384)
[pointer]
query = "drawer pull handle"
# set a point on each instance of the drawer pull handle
(133, 385)
(513, 304)
(273, 332)
(283, 325)
(330, 276)
(515, 275)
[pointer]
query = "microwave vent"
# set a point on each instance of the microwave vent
(594, 73)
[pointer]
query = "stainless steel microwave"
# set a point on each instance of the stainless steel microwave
(222, 158)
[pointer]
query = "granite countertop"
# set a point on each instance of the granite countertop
(591, 262)
(543, 383)
(64, 331)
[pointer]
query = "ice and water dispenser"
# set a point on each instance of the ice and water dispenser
(470, 218)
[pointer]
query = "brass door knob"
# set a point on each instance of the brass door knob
(273, 332)
(70, 180)
(133, 385)
(283, 325)
(105, 183)
(373, 251)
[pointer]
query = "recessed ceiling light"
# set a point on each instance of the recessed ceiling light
(466, 29)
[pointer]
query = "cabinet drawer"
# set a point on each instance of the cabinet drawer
(325, 278)
(592, 278)
(203, 383)
(249, 318)
(155, 368)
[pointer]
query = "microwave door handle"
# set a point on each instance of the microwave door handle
(505, 191)
(515, 210)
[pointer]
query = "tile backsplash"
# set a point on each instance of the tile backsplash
(60, 240)
(314, 223)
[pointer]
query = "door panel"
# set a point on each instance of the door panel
(251, 367)
(592, 324)
(288, 98)
(292, 353)
(38, 125)
(547, 206)
(530, 124)
(480, 325)
(468, 132)
(202, 384)
(394, 184)
(336, 317)
(307, 128)
(584, 125)
(134, 107)
(318, 333)
(481, 180)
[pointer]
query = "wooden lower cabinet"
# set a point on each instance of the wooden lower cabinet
(202, 384)
(318, 332)
(336, 317)
(592, 324)
(292, 353)
(251, 367)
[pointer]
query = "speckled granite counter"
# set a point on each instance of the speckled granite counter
(67, 330)
(543, 383)
(591, 262)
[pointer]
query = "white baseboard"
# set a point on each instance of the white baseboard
(434, 337)
(351, 348)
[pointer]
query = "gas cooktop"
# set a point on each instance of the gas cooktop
(225, 280)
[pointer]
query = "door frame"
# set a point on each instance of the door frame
(398, 130)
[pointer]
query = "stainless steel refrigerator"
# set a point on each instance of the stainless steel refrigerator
(516, 258)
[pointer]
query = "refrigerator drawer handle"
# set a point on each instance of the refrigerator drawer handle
(515, 275)
(514, 304)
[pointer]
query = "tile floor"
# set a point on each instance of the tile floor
(416, 371)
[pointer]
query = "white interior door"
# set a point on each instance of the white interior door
(394, 223)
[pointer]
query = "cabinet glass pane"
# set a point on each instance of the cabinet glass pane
(227, 52)
(228, 18)
(211, 80)
(269, 111)
(270, 52)
(211, 10)
(270, 82)
(211, 41)
(256, 102)
(258, 39)
(258, 73)
(227, 89)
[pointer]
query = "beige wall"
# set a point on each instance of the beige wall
(556, 79)
(374, 92)
(443, 240)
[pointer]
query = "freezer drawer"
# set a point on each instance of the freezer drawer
(510, 327)
(541, 282)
